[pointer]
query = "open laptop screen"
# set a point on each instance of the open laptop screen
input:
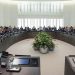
(21, 61)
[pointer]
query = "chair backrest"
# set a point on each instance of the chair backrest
(4, 54)
(71, 55)
(23, 55)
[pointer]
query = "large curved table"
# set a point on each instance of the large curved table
(10, 40)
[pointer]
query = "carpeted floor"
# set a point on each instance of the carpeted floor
(51, 63)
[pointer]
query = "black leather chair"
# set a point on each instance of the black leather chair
(4, 54)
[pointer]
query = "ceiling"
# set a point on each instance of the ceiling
(16, 1)
(36, 0)
(42, 0)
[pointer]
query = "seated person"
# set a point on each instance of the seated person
(21, 29)
(33, 28)
(1, 30)
(71, 30)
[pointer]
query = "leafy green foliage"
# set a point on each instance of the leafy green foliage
(43, 39)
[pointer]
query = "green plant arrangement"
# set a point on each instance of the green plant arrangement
(43, 42)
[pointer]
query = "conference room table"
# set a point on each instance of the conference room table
(24, 65)
(16, 37)
(24, 71)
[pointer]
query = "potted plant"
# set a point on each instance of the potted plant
(43, 42)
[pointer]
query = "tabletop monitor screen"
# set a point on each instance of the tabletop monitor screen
(21, 61)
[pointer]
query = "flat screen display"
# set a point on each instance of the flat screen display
(21, 61)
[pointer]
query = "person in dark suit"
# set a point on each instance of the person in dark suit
(71, 30)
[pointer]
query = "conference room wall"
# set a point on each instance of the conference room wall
(69, 14)
(1, 14)
(8, 14)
